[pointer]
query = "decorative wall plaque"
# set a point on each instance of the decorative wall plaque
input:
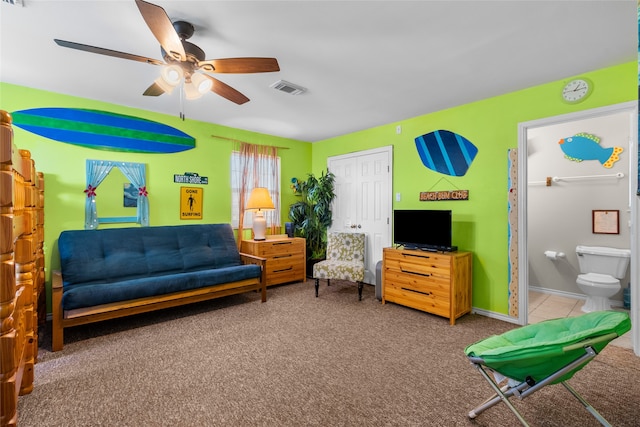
(190, 178)
(436, 196)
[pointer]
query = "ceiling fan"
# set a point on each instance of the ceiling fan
(183, 60)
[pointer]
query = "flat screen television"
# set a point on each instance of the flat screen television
(426, 229)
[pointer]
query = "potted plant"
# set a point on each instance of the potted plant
(311, 215)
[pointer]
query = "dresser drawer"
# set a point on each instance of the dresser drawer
(290, 272)
(277, 248)
(431, 302)
(433, 285)
(426, 266)
(284, 262)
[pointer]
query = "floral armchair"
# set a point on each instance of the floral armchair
(345, 260)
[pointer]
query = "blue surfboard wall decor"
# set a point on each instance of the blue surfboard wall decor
(103, 130)
(446, 152)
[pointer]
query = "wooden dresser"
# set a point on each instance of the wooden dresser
(21, 270)
(435, 282)
(286, 257)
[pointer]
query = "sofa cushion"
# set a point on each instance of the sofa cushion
(88, 256)
(104, 292)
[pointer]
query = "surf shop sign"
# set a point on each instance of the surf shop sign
(437, 196)
(190, 178)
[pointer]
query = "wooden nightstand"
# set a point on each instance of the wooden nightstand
(286, 257)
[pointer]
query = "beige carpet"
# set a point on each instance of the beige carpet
(297, 360)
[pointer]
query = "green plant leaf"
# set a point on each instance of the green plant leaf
(312, 216)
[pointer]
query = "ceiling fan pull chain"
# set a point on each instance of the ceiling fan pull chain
(182, 99)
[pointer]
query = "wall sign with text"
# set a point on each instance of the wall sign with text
(191, 202)
(436, 196)
(190, 178)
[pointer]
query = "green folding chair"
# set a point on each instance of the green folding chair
(522, 361)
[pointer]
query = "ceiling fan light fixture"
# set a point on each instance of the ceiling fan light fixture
(172, 75)
(191, 91)
(202, 83)
(167, 88)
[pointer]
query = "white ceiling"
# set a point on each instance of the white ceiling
(364, 63)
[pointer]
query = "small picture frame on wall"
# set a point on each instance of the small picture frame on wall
(606, 221)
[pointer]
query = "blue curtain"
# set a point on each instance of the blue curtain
(97, 171)
(135, 172)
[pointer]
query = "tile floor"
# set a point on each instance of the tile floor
(546, 306)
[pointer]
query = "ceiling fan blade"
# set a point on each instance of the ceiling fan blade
(160, 25)
(240, 65)
(107, 52)
(153, 90)
(226, 91)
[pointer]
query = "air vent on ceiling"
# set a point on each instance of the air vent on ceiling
(287, 87)
(14, 2)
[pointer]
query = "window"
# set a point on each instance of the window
(254, 170)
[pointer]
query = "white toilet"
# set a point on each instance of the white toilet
(600, 271)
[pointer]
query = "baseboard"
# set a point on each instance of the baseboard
(556, 292)
(494, 315)
(614, 303)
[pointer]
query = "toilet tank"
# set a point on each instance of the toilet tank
(603, 260)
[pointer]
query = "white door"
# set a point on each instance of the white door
(363, 200)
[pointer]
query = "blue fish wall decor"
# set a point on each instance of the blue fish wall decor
(584, 146)
(446, 152)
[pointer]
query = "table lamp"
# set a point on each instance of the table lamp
(259, 200)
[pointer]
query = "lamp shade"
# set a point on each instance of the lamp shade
(259, 200)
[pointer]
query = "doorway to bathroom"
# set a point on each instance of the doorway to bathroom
(558, 192)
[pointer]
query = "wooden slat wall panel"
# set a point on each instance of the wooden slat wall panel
(21, 269)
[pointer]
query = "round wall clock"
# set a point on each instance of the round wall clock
(577, 90)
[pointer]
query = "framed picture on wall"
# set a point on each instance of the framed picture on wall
(130, 195)
(606, 221)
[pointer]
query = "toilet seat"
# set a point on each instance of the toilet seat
(597, 279)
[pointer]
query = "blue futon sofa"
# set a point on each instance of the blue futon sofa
(109, 273)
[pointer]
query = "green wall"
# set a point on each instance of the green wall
(480, 224)
(63, 166)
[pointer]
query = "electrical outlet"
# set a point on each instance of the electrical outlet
(398, 129)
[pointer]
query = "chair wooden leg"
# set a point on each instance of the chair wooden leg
(360, 286)
(317, 286)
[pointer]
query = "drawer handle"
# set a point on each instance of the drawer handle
(417, 292)
(417, 256)
(413, 272)
(283, 269)
(283, 256)
(282, 243)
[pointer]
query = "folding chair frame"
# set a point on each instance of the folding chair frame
(528, 387)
